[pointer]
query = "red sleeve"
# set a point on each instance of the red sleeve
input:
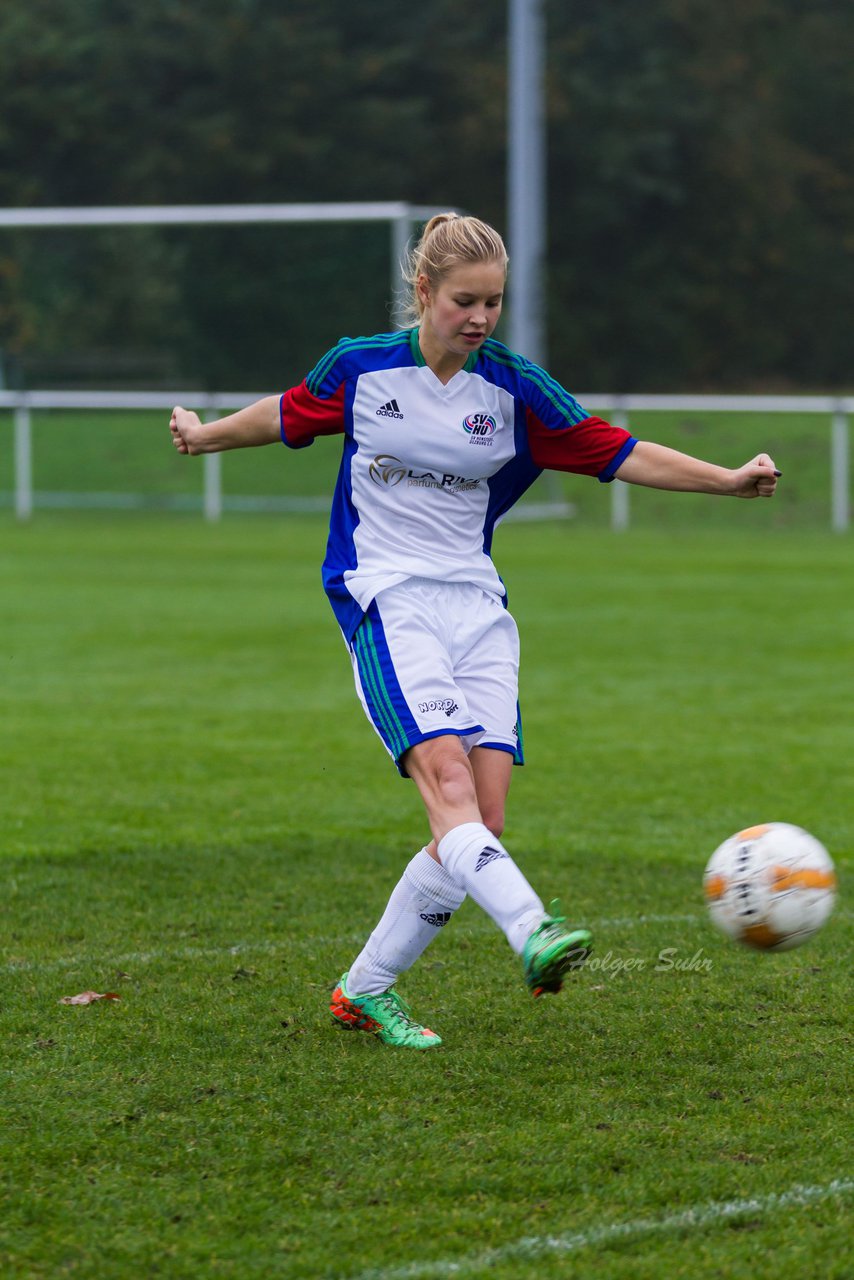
(591, 447)
(304, 416)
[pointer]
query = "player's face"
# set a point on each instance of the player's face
(462, 312)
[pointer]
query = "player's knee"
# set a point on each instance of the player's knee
(454, 780)
(493, 819)
(443, 773)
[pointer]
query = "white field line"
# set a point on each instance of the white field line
(530, 1248)
(141, 957)
(634, 922)
(270, 947)
(155, 954)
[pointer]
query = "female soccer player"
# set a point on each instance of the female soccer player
(444, 430)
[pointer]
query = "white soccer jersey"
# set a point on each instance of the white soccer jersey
(429, 468)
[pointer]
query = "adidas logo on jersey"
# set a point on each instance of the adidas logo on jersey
(489, 854)
(390, 410)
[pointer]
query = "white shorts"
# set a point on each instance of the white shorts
(433, 658)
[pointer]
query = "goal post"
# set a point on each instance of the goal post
(400, 216)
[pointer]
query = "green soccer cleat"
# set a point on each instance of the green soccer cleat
(385, 1016)
(553, 950)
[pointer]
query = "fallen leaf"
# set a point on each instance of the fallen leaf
(89, 997)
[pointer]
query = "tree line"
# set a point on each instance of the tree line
(700, 182)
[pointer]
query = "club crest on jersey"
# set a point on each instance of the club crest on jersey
(480, 428)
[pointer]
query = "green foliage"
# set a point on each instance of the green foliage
(701, 182)
(197, 817)
(688, 155)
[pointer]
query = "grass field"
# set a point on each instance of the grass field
(198, 818)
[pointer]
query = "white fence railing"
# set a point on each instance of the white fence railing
(616, 408)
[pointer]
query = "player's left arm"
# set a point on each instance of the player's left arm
(658, 467)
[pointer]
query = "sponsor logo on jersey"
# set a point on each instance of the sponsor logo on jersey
(438, 704)
(390, 410)
(388, 470)
(480, 428)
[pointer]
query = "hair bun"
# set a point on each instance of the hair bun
(438, 220)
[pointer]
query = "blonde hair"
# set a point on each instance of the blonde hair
(447, 241)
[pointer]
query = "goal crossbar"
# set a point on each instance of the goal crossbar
(212, 214)
(401, 217)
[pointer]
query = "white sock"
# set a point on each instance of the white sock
(478, 861)
(422, 902)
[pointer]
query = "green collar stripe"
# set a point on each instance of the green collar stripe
(418, 356)
(553, 391)
(415, 348)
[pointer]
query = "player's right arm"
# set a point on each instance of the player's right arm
(257, 424)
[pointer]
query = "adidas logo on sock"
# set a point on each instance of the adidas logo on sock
(390, 410)
(438, 918)
(489, 854)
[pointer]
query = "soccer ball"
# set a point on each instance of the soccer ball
(771, 886)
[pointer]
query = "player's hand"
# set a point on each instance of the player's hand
(757, 478)
(185, 427)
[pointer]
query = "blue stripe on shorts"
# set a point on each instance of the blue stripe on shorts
(517, 752)
(383, 694)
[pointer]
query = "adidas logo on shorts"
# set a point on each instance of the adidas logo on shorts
(390, 410)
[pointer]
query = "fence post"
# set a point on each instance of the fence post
(619, 489)
(212, 477)
(401, 235)
(23, 461)
(839, 472)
